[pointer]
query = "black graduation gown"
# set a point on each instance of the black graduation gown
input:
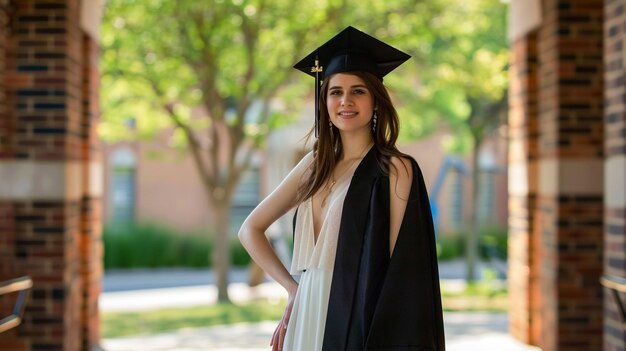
(377, 302)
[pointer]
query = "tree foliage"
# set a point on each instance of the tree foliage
(463, 70)
(468, 82)
(459, 55)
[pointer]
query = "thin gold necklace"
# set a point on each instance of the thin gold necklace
(333, 180)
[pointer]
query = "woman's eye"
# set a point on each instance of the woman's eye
(335, 92)
(358, 92)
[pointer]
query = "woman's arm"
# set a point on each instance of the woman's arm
(252, 232)
(400, 179)
(252, 236)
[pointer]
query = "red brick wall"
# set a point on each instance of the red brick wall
(5, 121)
(7, 223)
(3, 108)
(523, 267)
(7, 238)
(615, 149)
(51, 117)
(91, 250)
(571, 130)
(44, 247)
(615, 232)
(6, 241)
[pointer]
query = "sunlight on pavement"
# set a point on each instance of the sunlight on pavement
(464, 332)
(243, 336)
(150, 299)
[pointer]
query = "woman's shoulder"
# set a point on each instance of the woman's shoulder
(304, 164)
(401, 166)
(306, 160)
(308, 157)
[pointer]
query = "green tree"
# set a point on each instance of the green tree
(465, 81)
(164, 59)
(458, 77)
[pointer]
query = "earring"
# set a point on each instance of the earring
(330, 125)
(374, 121)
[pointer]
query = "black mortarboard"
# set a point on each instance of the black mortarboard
(350, 50)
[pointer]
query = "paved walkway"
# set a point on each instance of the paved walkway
(149, 289)
(145, 289)
(464, 332)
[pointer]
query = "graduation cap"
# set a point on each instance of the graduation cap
(349, 51)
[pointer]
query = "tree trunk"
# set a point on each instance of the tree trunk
(471, 248)
(221, 250)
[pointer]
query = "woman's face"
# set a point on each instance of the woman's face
(349, 102)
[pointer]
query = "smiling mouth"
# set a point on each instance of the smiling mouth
(347, 114)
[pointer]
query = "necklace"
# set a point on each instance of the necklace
(333, 180)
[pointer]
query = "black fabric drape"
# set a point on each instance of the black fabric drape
(377, 302)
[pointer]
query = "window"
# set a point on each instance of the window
(456, 200)
(486, 209)
(245, 198)
(122, 200)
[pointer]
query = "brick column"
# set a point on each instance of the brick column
(615, 168)
(7, 225)
(4, 125)
(3, 107)
(49, 163)
(524, 311)
(570, 164)
(91, 253)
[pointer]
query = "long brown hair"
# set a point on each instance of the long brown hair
(328, 148)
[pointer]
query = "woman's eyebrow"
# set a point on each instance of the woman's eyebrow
(354, 86)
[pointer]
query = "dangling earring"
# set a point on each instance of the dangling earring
(374, 120)
(330, 125)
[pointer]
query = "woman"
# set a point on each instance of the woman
(363, 236)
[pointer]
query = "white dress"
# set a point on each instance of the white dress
(314, 261)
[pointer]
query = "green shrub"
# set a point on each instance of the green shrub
(238, 255)
(450, 246)
(148, 245)
(492, 243)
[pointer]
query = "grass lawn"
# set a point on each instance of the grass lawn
(474, 298)
(151, 322)
(478, 297)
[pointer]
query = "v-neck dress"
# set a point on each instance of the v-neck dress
(314, 261)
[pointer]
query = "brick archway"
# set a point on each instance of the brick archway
(50, 168)
(565, 82)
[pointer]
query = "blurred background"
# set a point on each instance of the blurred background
(137, 135)
(205, 116)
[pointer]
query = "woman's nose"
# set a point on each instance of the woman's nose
(346, 101)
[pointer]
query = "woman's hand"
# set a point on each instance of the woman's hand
(279, 334)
